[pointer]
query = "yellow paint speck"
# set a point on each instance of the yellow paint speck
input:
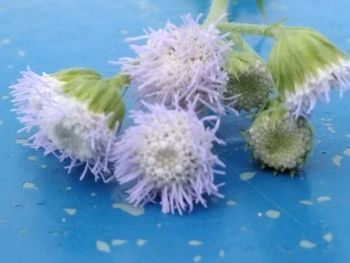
(70, 211)
(305, 202)
(331, 129)
(347, 152)
(197, 258)
(118, 242)
(124, 32)
(195, 243)
(337, 160)
(31, 158)
(274, 214)
(29, 185)
(23, 231)
(324, 198)
(130, 209)
(328, 237)
(5, 41)
(247, 176)
(307, 244)
(21, 141)
(231, 203)
(21, 53)
(141, 242)
(102, 246)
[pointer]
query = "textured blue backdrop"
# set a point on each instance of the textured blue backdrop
(48, 216)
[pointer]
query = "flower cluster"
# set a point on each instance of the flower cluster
(185, 78)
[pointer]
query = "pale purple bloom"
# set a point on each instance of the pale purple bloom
(62, 125)
(168, 155)
(182, 62)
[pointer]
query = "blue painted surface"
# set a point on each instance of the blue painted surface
(34, 225)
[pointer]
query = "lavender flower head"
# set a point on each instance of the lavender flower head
(183, 61)
(167, 155)
(62, 125)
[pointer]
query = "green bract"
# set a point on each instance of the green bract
(101, 95)
(278, 140)
(249, 79)
(298, 56)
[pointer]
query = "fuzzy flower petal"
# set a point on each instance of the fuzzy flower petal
(63, 125)
(183, 61)
(306, 66)
(336, 76)
(30, 94)
(168, 155)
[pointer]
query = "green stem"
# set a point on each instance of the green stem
(255, 29)
(120, 81)
(218, 9)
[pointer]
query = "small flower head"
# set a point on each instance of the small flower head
(183, 62)
(250, 82)
(306, 66)
(71, 115)
(278, 140)
(168, 155)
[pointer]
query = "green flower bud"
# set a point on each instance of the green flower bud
(306, 66)
(278, 140)
(250, 82)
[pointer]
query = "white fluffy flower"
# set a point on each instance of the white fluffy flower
(182, 62)
(168, 155)
(64, 125)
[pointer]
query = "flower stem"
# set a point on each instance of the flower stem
(218, 9)
(120, 81)
(255, 29)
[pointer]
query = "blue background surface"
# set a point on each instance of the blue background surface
(49, 216)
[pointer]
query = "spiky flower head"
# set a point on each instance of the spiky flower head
(182, 62)
(168, 155)
(73, 114)
(250, 82)
(306, 66)
(278, 139)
